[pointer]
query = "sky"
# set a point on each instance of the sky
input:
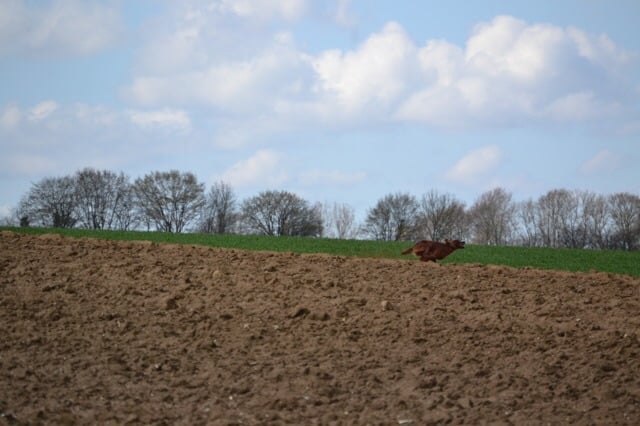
(335, 100)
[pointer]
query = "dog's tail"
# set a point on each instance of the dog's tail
(407, 251)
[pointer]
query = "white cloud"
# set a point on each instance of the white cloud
(263, 9)
(264, 168)
(603, 162)
(196, 36)
(60, 120)
(507, 46)
(331, 177)
(286, 10)
(599, 49)
(377, 73)
(165, 118)
(58, 27)
(73, 116)
(509, 72)
(475, 165)
(57, 138)
(580, 106)
(252, 85)
(513, 72)
(43, 110)
(256, 83)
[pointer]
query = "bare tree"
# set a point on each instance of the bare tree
(279, 213)
(528, 233)
(492, 217)
(595, 219)
(50, 203)
(126, 214)
(102, 199)
(625, 217)
(551, 215)
(576, 219)
(219, 213)
(340, 221)
(393, 218)
(572, 229)
(344, 219)
(170, 200)
(441, 216)
(582, 219)
(561, 218)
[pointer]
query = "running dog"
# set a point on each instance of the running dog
(430, 251)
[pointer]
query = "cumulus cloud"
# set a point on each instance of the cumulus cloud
(511, 71)
(58, 27)
(196, 35)
(248, 85)
(475, 165)
(204, 60)
(264, 169)
(508, 72)
(378, 73)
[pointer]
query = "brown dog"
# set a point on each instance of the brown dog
(430, 251)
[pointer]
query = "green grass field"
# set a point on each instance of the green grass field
(619, 262)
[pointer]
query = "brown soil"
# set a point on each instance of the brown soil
(102, 332)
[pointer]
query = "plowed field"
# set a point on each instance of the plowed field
(104, 332)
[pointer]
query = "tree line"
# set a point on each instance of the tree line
(177, 202)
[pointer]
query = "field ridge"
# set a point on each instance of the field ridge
(575, 260)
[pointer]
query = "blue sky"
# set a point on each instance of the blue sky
(338, 101)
